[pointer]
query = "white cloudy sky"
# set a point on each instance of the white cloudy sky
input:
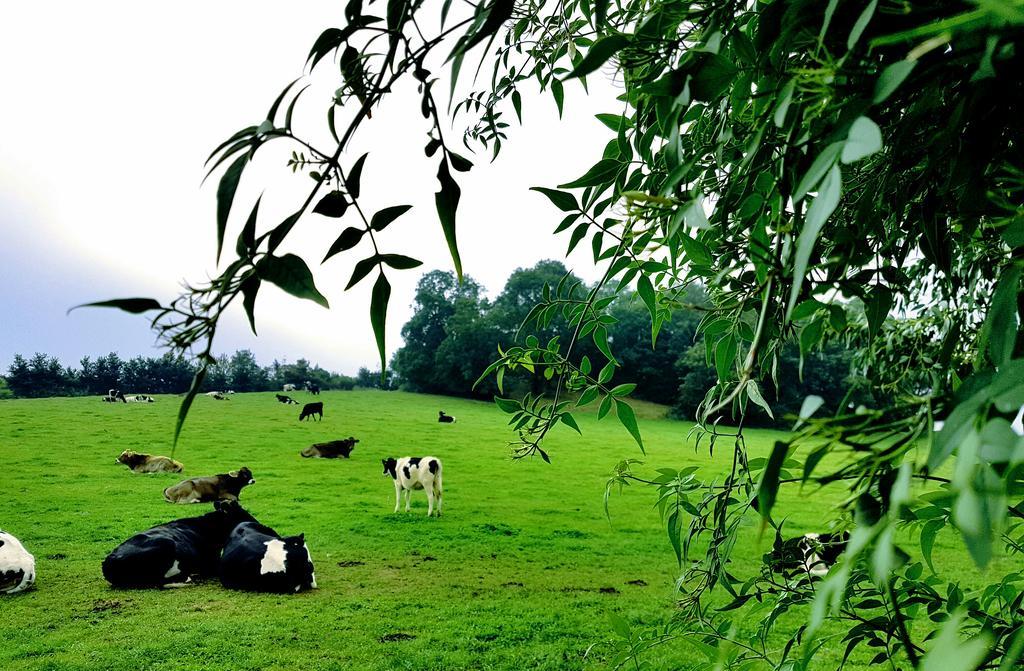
(109, 110)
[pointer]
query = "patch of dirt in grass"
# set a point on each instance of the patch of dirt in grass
(639, 582)
(503, 529)
(346, 564)
(397, 636)
(601, 590)
(102, 605)
(511, 584)
(57, 556)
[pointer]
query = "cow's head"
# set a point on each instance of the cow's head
(390, 467)
(298, 563)
(128, 458)
(243, 474)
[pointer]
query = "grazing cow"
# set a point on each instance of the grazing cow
(443, 418)
(113, 396)
(411, 473)
(144, 463)
(312, 388)
(219, 395)
(810, 554)
(288, 387)
(223, 487)
(332, 449)
(257, 559)
(311, 409)
(281, 398)
(17, 566)
(171, 553)
(139, 398)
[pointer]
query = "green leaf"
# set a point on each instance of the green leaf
(558, 93)
(623, 389)
(498, 12)
(381, 220)
(281, 230)
(354, 176)
(755, 395)
(628, 419)
(876, 307)
(725, 357)
(768, 489)
(861, 24)
(290, 273)
(603, 172)
(865, 139)
(507, 404)
(1000, 326)
(601, 340)
(808, 408)
(647, 294)
(348, 239)
(361, 270)
(606, 406)
(785, 98)
(133, 305)
(225, 195)
(333, 204)
(949, 653)
(378, 315)
(603, 49)
(588, 396)
(246, 242)
(562, 200)
(891, 78)
(822, 164)
(928, 533)
(399, 261)
(712, 78)
(447, 202)
(674, 527)
(817, 214)
(570, 421)
(250, 287)
(186, 403)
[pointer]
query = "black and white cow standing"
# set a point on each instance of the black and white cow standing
(411, 473)
(171, 553)
(17, 565)
(257, 559)
(810, 554)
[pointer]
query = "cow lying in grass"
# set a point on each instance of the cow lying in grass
(256, 558)
(810, 554)
(139, 398)
(443, 418)
(411, 473)
(175, 552)
(17, 566)
(218, 395)
(311, 409)
(281, 398)
(223, 487)
(144, 463)
(113, 396)
(332, 449)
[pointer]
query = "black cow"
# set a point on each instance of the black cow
(313, 389)
(311, 409)
(172, 553)
(258, 559)
(810, 554)
(332, 449)
(281, 398)
(443, 418)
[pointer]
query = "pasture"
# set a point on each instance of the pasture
(522, 571)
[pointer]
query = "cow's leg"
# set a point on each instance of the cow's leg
(430, 499)
(440, 494)
(408, 496)
(398, 496)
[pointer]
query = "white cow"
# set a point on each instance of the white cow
(289, 387)
(17, 566)
(139, 398)
(411, 473)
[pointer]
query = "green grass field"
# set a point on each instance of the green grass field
(521, 572)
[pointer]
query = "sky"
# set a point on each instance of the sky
(108, 113)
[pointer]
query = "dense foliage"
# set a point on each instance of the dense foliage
(796, 158)
(42, 376)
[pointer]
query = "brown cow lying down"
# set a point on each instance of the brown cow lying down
(223, 487)
(332, 449)
(144, 463)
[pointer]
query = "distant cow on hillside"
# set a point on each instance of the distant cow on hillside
(332, 449)
(113, 396)
(281, 398)
(411, 473)
(311, 409)
(223, 487)
(443, 418)
(218, 395)
(172, 553)
(288, 387)
(312, 388)
(144, 463)
(256, 558)
(139, 398)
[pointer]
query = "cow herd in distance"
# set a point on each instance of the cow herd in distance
(228, 543)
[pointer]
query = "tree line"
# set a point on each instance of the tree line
(455, 332)
(42, 375)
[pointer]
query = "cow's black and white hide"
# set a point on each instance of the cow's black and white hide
(113, 396)
(313, 389)
(217, 395)
(411, 473)
(281, 398)
(17, 565)
(810, 554)
(289, 387)
(175, 552)
(257, 559)
(443, 418)
(139, 398)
